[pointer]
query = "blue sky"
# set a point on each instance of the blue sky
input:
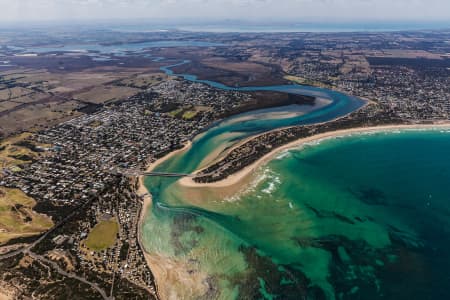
(300, 10)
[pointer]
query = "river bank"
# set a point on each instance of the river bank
(159, 266)
(242, 175)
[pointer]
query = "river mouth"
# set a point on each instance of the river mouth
(304, 227)
(189, 230)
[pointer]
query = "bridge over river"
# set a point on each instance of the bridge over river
(166, 174)
(151, 174)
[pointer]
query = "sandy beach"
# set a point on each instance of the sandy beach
(242, 175)
(142, 190)
(174, 279)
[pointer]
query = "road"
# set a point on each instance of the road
(70, 275)
(40, 239)
(27, 251)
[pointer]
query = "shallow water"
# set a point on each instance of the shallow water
(359, 217)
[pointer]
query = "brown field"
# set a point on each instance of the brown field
(66, 82)
(13, 93)
(7, 105)
(143, 81)
(206, 64)
(106, 93)
(70, 81)
(63, 93)
(403, 53)
(249, 74)
(243, 67)
(18, 72)
(33, 97)
(37, 116)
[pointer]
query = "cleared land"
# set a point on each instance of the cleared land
(103, 235)
(17, 218)
(13, 93)
(104, 94)
(32, 100)
(143, 81)
(39, 116)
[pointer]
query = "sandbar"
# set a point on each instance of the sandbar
(241, 175)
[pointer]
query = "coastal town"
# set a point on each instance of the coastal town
(88, 169)
(82, 170)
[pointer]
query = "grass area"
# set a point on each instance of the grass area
(103, 235)
(17, 218)
(9, 151)
(306, 81)
(174, 113)
(190, 114)
(12, 156)
(95, 123)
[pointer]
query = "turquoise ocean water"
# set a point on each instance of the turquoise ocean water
(358, 217)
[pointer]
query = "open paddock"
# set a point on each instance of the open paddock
(105, 94)
(143, 81)
(38, 116)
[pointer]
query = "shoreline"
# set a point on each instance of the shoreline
(164, 268)
(239, 176)
(146, 197)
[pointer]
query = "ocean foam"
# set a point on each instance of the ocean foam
(283, 154)
(274, 182)
(264, 175)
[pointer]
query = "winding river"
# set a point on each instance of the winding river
(334, 220)
(190, 228)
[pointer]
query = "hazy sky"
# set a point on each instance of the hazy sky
(301, 10)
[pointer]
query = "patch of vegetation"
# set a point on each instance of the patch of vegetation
(18, 150)
(31, 146)
(190, 114)
(103, 235)
(175, 113)
(17, 218)
(306, 81)
(95, 123)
